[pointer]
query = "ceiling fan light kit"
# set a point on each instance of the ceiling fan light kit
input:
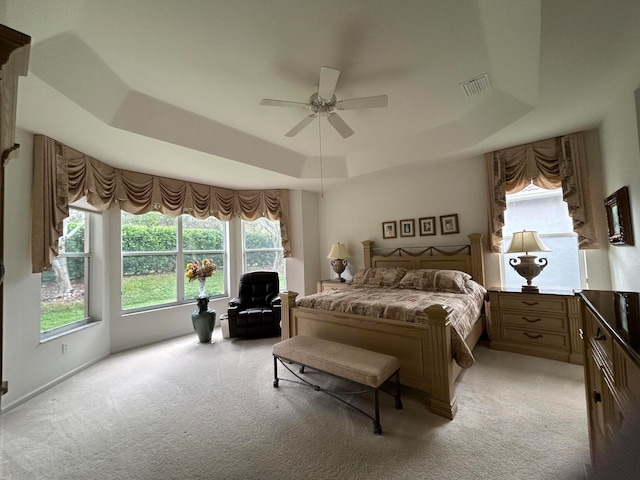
(323, 103)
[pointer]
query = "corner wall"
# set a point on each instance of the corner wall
(619, 135)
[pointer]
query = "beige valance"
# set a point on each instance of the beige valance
(551, 163)
(62, 175)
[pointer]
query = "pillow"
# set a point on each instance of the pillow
(378, 277)
(452, 281)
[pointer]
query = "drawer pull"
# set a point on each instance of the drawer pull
(531, 304)
(534, 320)
(533, 336)
(581, 334)
(600, 336)
(596, 396)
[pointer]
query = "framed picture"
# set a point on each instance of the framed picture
(626, 315)
(427, 226)
(389, 229)
(407, 228)
(619, 218)
(449, 224)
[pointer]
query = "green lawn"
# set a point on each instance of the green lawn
(137, 292)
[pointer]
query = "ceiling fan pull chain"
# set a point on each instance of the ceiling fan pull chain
(321, 175)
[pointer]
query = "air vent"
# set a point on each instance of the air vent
(476, 86)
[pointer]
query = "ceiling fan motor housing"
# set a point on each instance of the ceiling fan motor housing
(320, 105)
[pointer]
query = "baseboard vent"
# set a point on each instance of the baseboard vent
(476, 86)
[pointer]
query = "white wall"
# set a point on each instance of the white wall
(621, 167)
(29, 364)
(355, 212)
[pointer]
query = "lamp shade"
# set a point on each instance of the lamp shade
(527, 241)
(338, 250)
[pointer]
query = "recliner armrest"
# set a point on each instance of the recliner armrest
(234, 302)
(276, 301)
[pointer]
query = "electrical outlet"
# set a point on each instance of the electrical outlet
(65, 347)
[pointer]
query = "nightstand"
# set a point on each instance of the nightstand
(545, 324)
(328, 285)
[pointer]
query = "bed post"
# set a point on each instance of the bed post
(287, 300)
(477, 258)
(443, 400)
(367, 247)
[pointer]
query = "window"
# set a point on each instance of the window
(64, 290)
(262, 248)
(155, 251)
(544, 211)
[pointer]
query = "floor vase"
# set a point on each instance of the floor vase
(203, 320)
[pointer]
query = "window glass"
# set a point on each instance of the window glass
(205, 239)
(262, 248)
(544, 211)
(64, 289)
(155, 252)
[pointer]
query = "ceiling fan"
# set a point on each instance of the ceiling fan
(323, 103)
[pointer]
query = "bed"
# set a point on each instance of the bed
(425, 346)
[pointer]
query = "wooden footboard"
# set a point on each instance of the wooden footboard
(424, 351)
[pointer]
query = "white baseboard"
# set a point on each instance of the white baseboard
(52, 383)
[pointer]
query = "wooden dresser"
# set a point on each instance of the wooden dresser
(544, 324)
(612, 367)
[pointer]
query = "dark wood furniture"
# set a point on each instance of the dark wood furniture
(611, 367)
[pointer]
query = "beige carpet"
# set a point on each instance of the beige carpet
(181, 410)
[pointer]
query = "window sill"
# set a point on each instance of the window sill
(47, 337)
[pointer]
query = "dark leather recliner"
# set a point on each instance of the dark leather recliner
(255, 312)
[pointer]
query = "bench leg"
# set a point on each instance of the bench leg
(398, 397)
(275, 372)
(377, 428)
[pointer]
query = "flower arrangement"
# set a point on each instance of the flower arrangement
(196, 270)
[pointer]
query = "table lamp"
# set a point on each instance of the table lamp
(338, 256)
(527, 266)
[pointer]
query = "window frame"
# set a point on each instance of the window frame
(506, 239)
(90, 218)
(180, 254)
(245, 250)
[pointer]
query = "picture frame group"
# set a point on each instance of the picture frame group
(426, 226)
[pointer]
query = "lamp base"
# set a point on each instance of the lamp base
(339, 265)
(528, 268)
(530, 289)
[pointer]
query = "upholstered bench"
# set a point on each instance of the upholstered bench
(364, 367)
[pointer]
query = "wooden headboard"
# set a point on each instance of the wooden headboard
(466, 258)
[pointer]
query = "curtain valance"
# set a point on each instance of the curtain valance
(551, 163)
(62, 175)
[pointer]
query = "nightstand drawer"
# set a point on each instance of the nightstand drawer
(533, 337)
(330, 285)
(533, 320)
(330, 288)
(547, 303)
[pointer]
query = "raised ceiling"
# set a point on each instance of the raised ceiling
(173, 87)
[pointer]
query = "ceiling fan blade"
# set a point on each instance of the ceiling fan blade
(283, 103)
(364, 102)
(305, 121)
(328, 81)
(340, 125)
